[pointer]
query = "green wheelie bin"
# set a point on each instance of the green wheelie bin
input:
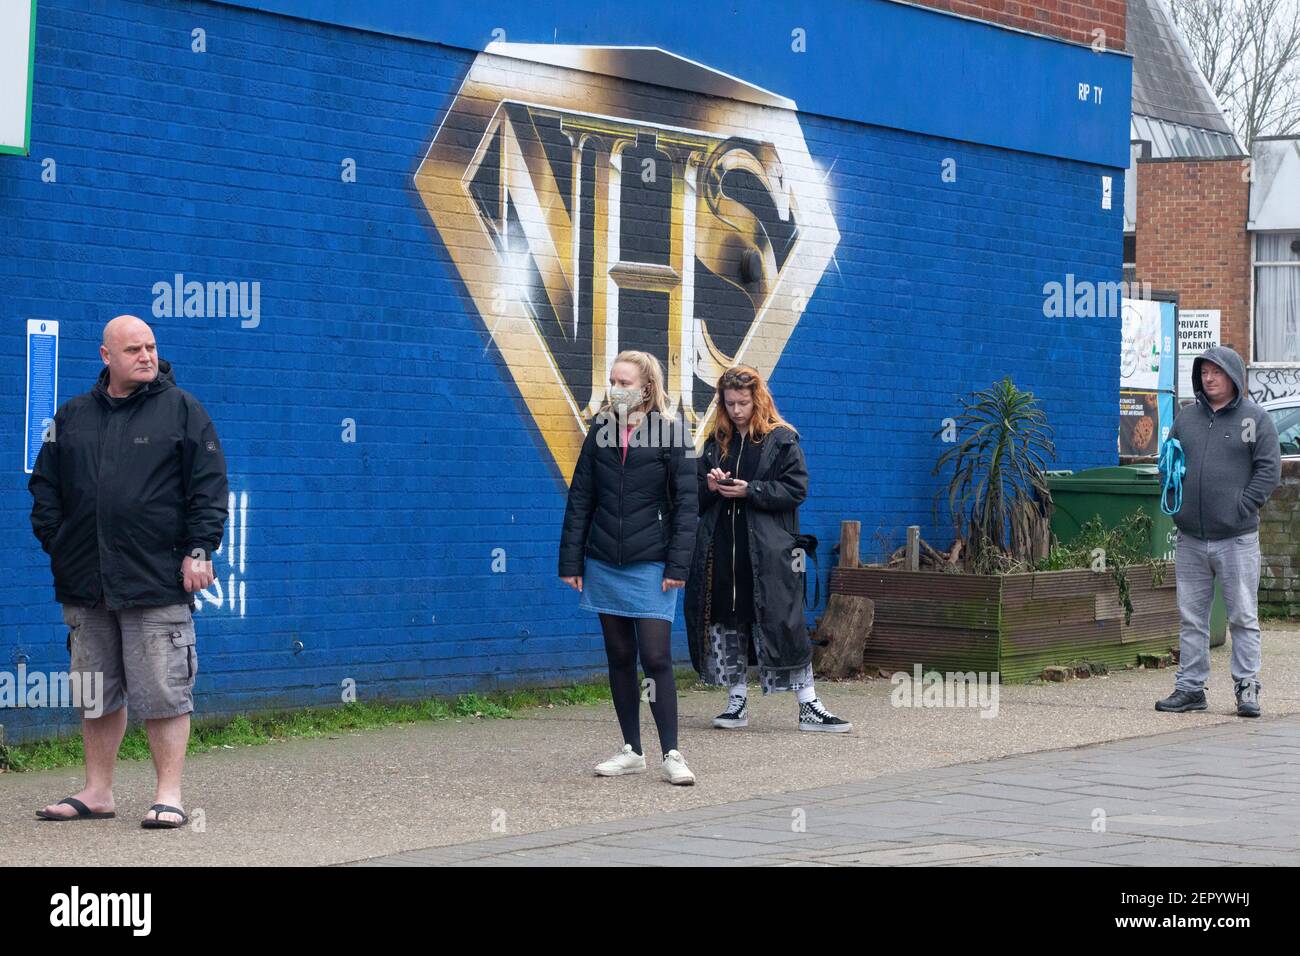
(1113, 494)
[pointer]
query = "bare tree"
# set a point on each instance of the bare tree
(1249, 50)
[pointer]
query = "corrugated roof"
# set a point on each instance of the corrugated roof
(1172, 140)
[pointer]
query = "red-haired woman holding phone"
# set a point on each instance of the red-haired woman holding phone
(744, 598)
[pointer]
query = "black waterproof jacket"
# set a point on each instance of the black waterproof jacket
(125, 491)
(644, 509)
(780, 485)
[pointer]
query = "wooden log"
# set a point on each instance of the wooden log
(850, 534)
(921, 558)
(931, 555)
(844, 628)
(913, 547)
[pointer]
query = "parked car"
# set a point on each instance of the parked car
(1286, 416)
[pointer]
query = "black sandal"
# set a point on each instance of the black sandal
(83, 812)
(156, 824)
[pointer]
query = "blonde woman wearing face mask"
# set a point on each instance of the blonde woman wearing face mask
(629, 529)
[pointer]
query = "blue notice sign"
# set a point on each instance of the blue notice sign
(1168, 348)
(42, 387)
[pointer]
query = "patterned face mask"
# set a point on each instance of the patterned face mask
(624, 400)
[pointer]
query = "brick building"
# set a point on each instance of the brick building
(1188, 188)
(1215, 226)
(443, 219)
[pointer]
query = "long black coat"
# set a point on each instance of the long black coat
(126, 491)
(779, 487)
(641, 510)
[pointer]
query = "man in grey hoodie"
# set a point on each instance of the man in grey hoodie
(1233, 464)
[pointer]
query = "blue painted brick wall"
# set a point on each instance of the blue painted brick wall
(376, 556)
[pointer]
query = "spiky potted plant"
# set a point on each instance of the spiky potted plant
(1020, 606)
(998, 494)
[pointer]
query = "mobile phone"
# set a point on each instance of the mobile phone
(724, 481)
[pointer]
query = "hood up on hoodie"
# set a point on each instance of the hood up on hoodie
(1232, 457)
(1230, 362)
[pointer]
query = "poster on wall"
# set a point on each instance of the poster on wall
(1139, 362)
(1139, 423)
(1148, 367)
(1198, 330)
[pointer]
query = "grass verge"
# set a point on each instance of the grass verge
(249, 730)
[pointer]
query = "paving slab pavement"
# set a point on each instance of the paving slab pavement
(519, 782)
(929, 822)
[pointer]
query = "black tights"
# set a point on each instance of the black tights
(624, 637)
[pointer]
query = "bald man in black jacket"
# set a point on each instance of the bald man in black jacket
(129, 500)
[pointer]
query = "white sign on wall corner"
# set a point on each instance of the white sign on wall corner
(42, 388)
(17, 64)
(1106, 188)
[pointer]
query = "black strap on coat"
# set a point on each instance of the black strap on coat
(808, 544)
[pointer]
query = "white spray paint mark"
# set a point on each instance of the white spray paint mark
(235, 551)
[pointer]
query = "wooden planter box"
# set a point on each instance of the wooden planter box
(1015, 624)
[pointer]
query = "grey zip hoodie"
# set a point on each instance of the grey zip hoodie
(1228, 476)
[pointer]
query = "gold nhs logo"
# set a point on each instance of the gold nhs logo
(588, 211)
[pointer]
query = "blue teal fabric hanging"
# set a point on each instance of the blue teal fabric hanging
(1173, 465)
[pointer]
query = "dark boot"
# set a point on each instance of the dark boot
(1248, 698)
(1181, 701)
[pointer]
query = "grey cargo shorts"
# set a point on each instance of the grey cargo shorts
(146, 655)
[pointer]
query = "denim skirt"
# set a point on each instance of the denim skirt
(632, 590)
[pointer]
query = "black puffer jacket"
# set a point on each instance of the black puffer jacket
(126, 490)
(622, 513)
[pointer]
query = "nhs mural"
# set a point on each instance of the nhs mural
(588, 210)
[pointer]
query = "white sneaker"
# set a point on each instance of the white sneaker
(675, 770)
(625, 761)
